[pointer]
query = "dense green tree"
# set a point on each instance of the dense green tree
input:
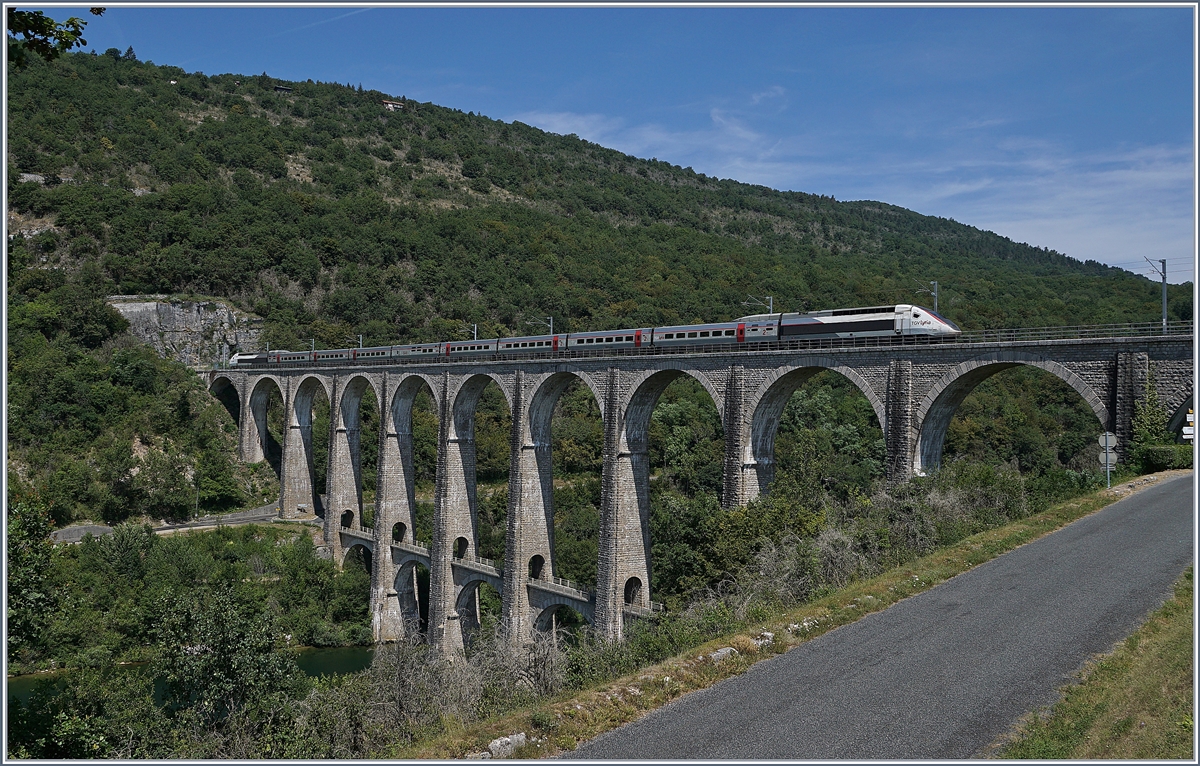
(35, 32)
(218, 656)
(28, 599)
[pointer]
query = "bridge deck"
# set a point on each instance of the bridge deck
(1097, 333)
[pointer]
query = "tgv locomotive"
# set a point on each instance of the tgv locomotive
(874, 322)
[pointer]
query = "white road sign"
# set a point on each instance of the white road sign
(1108, 440)
(1108, 459)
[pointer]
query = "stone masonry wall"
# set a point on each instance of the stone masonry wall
(914, 390)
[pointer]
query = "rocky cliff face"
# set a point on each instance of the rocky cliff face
(200, 334)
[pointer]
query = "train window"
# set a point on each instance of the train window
(729, 333)
(916, 313)
(669, 336)
(704, 333)
(691, 334)
(590, 340)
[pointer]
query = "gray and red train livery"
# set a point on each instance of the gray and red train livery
(872, 322)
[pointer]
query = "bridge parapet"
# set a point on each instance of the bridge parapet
(479, 564)
(420, 550)
(913, 385)
(563, 587)
(360, 534)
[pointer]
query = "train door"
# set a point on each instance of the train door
(554, 343)
(903, 321)
(637, 338)
(741, 332)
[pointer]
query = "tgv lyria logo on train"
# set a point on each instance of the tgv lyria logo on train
(875, 321)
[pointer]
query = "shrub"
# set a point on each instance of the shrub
(1162, 457)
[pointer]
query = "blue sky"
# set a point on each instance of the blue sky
(1069, 128)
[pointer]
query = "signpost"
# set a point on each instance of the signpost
(1189, 431)
(1108, 458)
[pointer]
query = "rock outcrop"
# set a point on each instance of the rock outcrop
(200, 334)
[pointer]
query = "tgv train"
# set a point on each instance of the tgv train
(876, 321)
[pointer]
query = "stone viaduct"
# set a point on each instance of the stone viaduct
(914, 389)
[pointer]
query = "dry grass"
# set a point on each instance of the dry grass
(1135, 703)
(561, 723)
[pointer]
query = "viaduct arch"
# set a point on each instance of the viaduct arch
(913, 390)
(937, 408)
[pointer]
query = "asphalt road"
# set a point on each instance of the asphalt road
(946, 672)
(74, 534)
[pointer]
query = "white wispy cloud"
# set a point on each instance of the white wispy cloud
(775, 91)
(1112, 206)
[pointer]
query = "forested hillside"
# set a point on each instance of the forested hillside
(317, 208)
(326, 213)
(331, 216)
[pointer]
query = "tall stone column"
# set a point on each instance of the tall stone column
(453, 518)
(252, 421)
(344, 492)
(395, 502)
(298, 496)
(608, 599)
(529, 546)
(1132, 372)
(523, 486)
(898, 436)
(624, 513)
(739, 475)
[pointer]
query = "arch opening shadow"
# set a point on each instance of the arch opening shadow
(357, 556)
(817, 429)
(226, 393)
(561, 621)
(412, 594)
(1179, 418)
(270, 424)
(479, 452)
(562, 523)
(536, 566)
(1034, 413)
(479, 611)
(633, 592)
(405, 485)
